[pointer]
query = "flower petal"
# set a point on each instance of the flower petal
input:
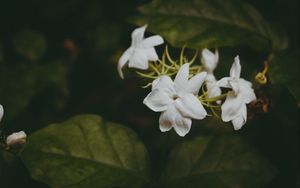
(235, 71)
(209, 60)
(195, 83)
(1, 112)
(157, 100)
(123, 60)
(210, 78)
(181, 79)
(213, 90)
(152, 41)
(231, 108)
(224, 82)
(137, 36)
(234, 83)
(166, 119)
(246, 91)
(164, 83)
(182, 126)
(172, 118)
(139, 59)
(189, 106)
(239, 121)
(151, 54)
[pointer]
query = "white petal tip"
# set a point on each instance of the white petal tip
(237, 59)
(181, 134)
(163, 130)
(145, 101)
(121, 73)
(185, 66)
(205, 51)
(160, 40)
(236, 128)
(225, 118)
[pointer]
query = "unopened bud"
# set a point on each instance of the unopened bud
(16, 139)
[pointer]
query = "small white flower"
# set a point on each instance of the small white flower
(1, 112)
(16, 139)
(234, 108)
(177, 101)
(210, 61)
(141, 50)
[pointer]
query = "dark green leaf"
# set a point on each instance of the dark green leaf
(210, 23)
(284, 69)
(86, 151)
(216, 161)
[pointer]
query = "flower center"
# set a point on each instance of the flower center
(174, 97)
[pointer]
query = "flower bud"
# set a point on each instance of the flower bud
(16, 139)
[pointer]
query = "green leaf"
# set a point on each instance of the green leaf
(284, 69)
(216, 161)
(86, 151)
(210, 23)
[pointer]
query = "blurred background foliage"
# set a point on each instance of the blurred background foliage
(58, 59)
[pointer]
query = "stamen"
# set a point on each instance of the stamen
(194, 57)
(146, 75)
(169, 58)
(155, 69)
(146, 86)
(261, 76)
(181, 58)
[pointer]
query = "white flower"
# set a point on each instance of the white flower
(1, 112)
(141, 50)
(16, 139)
(210, 61)
(234, 108)
(177, 101)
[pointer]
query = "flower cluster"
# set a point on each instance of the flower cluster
(181, 89)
